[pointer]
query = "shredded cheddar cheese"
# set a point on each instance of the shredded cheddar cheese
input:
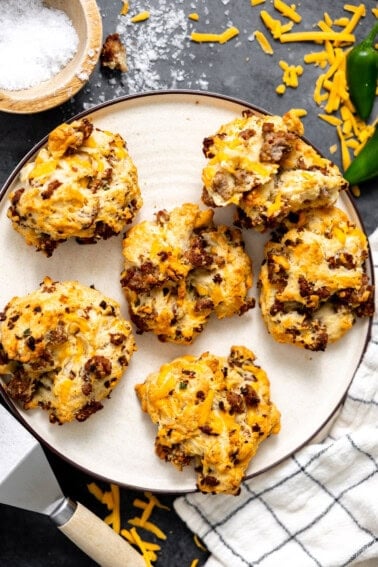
(111, 499)
(142, 546)
(300, 112)
(150, 548)
(343, 21)
(318, 36)
(194, 563)
(149, 526)
(152, 498)
(345, 157)
(223, 37)
(290, 74)
(199, 543)
(147, 548)
(193, 16)
(356, 190)
(325, 25)
(125, 8)
(328, 20)
(274, 26)
(112, 502)
(335, 34)
(105, 497)
(96, 491)
(287, 11)
(263, 42)
(358, 13)
(331, 91)
(317, 58)
(140, 17)
(333, 120)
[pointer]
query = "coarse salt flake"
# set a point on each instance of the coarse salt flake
(162, 37)
(36, 42)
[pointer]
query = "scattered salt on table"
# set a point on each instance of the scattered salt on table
(161, 37)
(36, 42)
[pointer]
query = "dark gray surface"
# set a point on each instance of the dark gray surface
(238, 69)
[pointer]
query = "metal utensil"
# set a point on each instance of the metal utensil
(27, 481)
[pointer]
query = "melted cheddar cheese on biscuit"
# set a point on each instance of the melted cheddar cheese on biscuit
(213, 412)
(313, 282)
(63, 348)
(180, 268)
(263, 166)
(82, 184)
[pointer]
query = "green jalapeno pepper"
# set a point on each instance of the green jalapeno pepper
(365, 164)
(362, 73)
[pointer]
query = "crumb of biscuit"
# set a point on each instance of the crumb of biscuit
(213, 412)
(262, 165)
(113, 54)
(63, 348)
(313, 282)
(180, 268)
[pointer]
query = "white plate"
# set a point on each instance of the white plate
(164, 133)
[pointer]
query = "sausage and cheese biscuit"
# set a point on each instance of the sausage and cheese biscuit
(180, 268)
(313, 282)
(213, 411)
(263, 166)
(63, 348)
(82, 185)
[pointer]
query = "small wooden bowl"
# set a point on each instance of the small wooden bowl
(86, 19)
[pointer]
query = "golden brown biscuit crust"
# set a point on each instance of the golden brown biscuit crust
(63, 348)
(263, 166)
(82, 185)
(180, 268)
(313, 282)
(213, 411)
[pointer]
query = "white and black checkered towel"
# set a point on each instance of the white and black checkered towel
(319, 507)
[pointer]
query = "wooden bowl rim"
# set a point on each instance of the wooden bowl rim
(17, 102)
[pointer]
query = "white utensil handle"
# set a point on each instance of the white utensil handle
(99, 541)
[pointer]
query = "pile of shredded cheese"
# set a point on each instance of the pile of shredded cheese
(111, 499)
(332, 39)
(329, 40)
(335, 37)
